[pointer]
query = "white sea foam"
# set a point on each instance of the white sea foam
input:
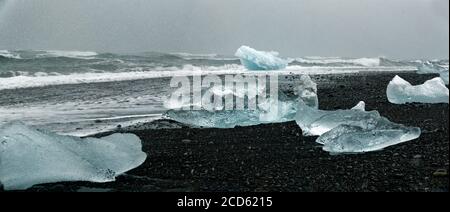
(190, 56)
(8, 54)
(41, 79)
(70, 54)
(367, 62)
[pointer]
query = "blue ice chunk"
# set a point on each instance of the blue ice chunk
(269, 110)
(260, 60)
(352, 131)
(400, 91)
(29, 157)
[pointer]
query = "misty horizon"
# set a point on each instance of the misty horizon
(400, 29)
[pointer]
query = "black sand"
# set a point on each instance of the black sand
(276, 157)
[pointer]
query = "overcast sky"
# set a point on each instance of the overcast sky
(402, 29)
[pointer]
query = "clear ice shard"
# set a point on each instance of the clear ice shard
(268, 110)
(359, 139)
(399, 91)
(352, 131)
(431, 68)
(260, 60)
(315, 122)
(29, 157)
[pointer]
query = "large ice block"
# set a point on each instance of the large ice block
(269, 110)
(260, 60)
(352, 131)
(315, 122)
(366, 138)
(29, 157)
(399, 91)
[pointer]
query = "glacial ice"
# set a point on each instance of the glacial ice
(268, 110)
(399, 91)
(259, 60)
(360, 139)
(352, 131)
(29, 157)
(314, 122)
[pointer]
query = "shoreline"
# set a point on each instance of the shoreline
(276, 157)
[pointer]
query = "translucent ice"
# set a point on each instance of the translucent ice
(268, 110)
(315, 122)
(259, 60)
(373, 137)
(352, 131)
(29, 157)
(399, 91)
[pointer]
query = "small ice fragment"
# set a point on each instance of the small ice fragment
(259, 60)
(29, 157)
(399, 91)
(360, 106)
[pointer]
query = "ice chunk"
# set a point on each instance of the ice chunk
(269, 110)
(359, 139)
(360, 106)
(352, 131)
(315, 122)
(29, 157)
(399, 91)
(259, 60)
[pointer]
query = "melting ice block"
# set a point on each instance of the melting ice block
(372, 137)
(29, 157)
(354, 130)
(315, 122)
(268, 110)
(399, 91)
(259, 60)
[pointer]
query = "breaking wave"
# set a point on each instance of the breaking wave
(23, 69)
(17, 80)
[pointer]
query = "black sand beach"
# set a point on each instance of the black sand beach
(276, 157)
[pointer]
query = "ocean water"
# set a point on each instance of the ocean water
(80, 93)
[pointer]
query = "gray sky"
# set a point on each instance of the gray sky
(403, 29)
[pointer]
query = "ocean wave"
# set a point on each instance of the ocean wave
(8, 54)
(41, 79)
(39, 54)
(190, 56)
(336, 61)
(68, 54)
